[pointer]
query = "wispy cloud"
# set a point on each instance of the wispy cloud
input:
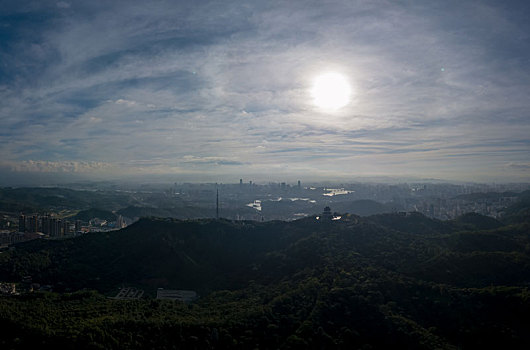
(57, 167)
(519, 166)
(224, 87)
(63, 4)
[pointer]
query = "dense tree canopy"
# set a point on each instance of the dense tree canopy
(391, 280)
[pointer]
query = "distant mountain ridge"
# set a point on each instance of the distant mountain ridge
(86, 215)
(52, 198)
(363, 207)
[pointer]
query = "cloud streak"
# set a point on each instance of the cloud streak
(56, 167)
(223, 88)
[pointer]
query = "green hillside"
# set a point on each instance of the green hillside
(474, 221)
(520, 211)
(390, 280)
(86, 215)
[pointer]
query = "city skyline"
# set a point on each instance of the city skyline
(213, 91)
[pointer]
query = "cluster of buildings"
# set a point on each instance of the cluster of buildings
(185, 296)
(48, 225)
(102, 225)
(25, 286)
(36, 226)
(52, 226)
(450, 208)
(127, 293)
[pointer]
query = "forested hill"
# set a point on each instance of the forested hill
(400, 280)
(216, 254)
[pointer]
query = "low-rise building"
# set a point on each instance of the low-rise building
(185, 296)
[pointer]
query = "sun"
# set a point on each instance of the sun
(331, 91)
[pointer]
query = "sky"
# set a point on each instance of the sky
(221, 90)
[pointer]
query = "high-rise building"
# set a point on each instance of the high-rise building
(66, 227)
(120, 223)
(33, 224)
(45, 224)
(54, 227)
(21, 223)
(217, 205)
(59, 227)
(77, 226)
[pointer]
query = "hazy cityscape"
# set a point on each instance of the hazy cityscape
(250, 201)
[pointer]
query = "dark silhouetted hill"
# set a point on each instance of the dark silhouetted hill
(364, 207)
(86, 215)
(519, 211)
(389, 280)
(412, 222)
(474, 221)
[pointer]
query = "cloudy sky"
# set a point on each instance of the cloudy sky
(218, 90)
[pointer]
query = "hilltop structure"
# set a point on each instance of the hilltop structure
(326, 214)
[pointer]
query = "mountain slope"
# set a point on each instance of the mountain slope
(354, 283)
(217, 254)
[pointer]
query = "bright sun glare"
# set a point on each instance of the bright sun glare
(331, 91)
